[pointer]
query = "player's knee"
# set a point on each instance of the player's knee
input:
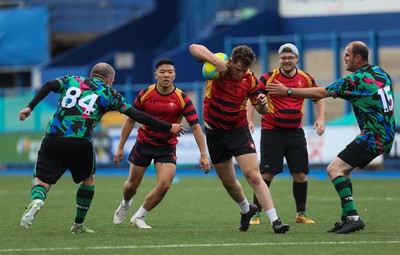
(254, 179)
(331, 171)
(163, 187)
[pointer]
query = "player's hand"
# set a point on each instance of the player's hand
(319, 126)
(177, 129)
(118, 156)
(251, 126)
(205, 164)
(277, 87)
(23, 114)
(221, 65)
(262, 99)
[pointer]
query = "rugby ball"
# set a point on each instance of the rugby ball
(210, 71)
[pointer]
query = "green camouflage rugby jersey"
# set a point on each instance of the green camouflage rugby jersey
(82, 103)
(369, 90)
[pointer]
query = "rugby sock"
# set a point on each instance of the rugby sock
(350, 185)
(84, 197)
(255, 200)
(344, 214)
(127, 203)
(343, 189)
(271, 213)
(244, 206)
(38, 192)
(300, 195)
(141, 212)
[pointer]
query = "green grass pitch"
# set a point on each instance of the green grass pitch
(198, 217)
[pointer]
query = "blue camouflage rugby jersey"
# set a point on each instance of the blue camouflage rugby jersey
(82, 104)
(369, 90)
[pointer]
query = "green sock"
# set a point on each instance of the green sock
(344, 191)
(344, 213)
(84, 198)
(38, 192)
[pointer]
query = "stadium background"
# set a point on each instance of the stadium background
(43, 39)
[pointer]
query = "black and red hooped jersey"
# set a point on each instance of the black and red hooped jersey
(285, 111)
(226, 99)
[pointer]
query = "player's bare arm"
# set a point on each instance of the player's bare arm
(199, 137)
(125, 132)
(277, 87)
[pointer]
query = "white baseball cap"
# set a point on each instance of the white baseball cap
(292, 48)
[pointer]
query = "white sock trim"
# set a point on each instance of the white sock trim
(244, 206)
(271, 213)
(141, 213)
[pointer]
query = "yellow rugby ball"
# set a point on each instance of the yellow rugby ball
(210, 71)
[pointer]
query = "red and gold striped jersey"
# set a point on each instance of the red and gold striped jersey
(170, 108)
(226, 99)
(285, 111)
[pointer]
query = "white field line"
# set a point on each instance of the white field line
(46, 249)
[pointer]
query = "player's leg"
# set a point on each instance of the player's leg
(339, 172)
(226, 173)
(272, 148)
(165, 165)
(82, 165)
(249, 166)
(336, 171)
(165, 175)
(84, 197)
(48, 169)
(131, 185)
(140, 158)
(38, 195)
(297, 159)
(256, 219)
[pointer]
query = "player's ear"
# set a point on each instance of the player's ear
(110, 81)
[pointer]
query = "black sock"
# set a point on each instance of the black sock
(300, 195)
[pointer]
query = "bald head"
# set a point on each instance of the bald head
(359, 48)
(104, 72)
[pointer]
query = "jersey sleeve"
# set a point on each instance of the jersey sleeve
(118, 102)
(148, 120)
(189, 110)
(343, 88)
(255, 89)
(49, 86)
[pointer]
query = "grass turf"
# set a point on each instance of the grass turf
(198, 217)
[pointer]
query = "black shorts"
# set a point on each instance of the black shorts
(356, 155)
(143, 153)
(57, 154)
(222, 145)
(278, 144)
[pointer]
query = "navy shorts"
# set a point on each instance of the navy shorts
(283, 143)
(143, 153)
(222, 145)
(57, 154)
(356, 155)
